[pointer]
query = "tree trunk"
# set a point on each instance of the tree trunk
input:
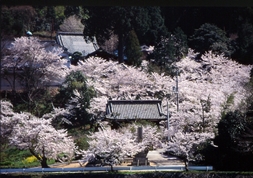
(43, 159)
(43, 162)
(186, 163)
(14, 94)
(121, 48)
(111, 168)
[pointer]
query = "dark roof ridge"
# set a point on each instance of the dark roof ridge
(70, 33)
(134, 101)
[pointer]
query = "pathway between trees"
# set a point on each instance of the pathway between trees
(155, 157)
(158, 158)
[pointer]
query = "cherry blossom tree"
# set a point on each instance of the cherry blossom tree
(32, 65)
(72, 24)
(184, 146)
(58, 116)
(75, 94)
(205, 83)
(152, 136)
(37, 135)
(202, 83)
(112, 146)
(111, 44)
(204, 87)
(196, 83)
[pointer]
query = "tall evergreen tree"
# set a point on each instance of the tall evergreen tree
(104, 21)
(133, 51)
(76, 95)
(51, 18)
(210, 37)
(180, 43)
(164, 51)
(16, 20)
(235, 142)
(72, 10)
(244, 41)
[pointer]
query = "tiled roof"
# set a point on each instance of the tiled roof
(134, 109)
(73, 42)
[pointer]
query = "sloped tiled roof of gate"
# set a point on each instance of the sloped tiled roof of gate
(134, 109)
(73, 42)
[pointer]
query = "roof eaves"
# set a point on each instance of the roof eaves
(110, 108)
(70, 33)
(134, 101)
(159, 109)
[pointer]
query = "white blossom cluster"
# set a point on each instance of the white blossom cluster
(115, 145)
(119, 81)
(182, 145)
(214, 76)
(30, 52)
(28, 132)
(222, 78)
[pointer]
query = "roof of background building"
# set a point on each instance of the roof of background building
(103, 54)
(134, 109)
(73, 42)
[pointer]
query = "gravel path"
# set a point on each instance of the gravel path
(158, 158)
(155, 157)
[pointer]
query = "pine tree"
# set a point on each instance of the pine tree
(133, 51)
(106, 21)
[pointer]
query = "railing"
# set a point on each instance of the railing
(105, 169)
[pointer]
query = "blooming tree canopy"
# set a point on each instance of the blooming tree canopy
(37, 135)
(29, 61)
(212, 78)
(111, 145)
(114, 145)
(152, 136)
(184, 145)
(204, 87)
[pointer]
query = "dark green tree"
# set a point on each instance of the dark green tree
(180, 43)
(133, 51)
(76, 83)
(75, 57)
(233, 132)
(210, 37)
(151, 33)
(233, 148)
(16, 20)
(79, 11)
(105, 21)
(164, 52)
(244, 54)
(59, 16)
(41, 23)
(48, 18)
(72, 10)
(229, 127)
(8, 22)
(51, 18)
(171, 48)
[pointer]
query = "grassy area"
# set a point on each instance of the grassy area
(14, 158)
(11, 157)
